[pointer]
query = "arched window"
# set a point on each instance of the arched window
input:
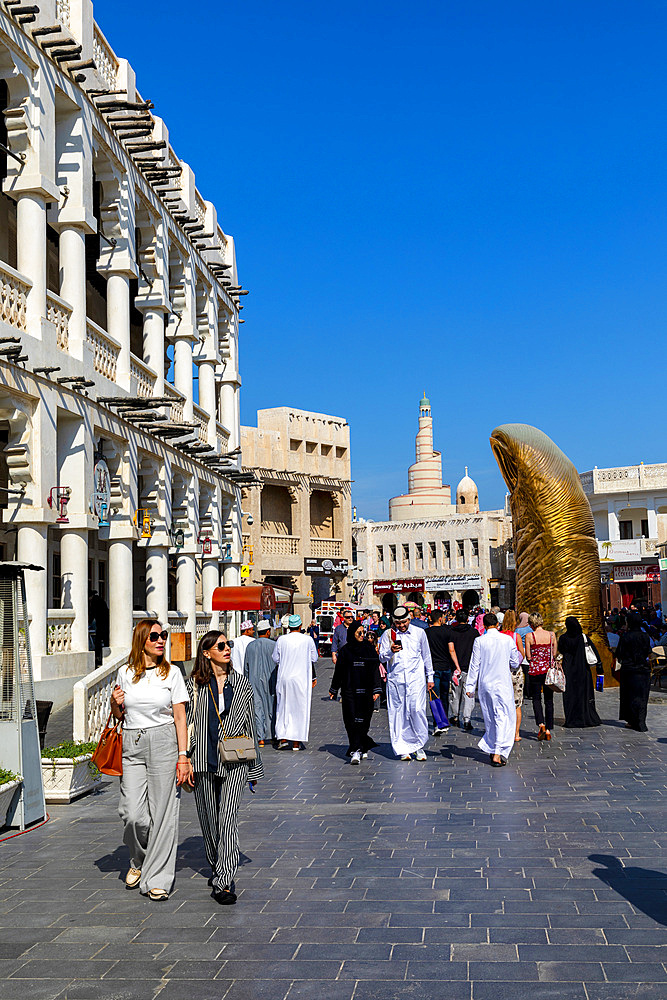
(462, 499)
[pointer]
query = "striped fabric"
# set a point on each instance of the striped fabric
(239, 721)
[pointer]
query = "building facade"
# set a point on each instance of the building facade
(629, 504)
(300, 509)
(119, 320)
(431, 550)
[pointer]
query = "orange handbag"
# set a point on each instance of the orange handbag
(108, 755)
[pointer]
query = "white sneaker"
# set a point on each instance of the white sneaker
(420, 755)
(355, 758)
(406, 756)
(364, 755)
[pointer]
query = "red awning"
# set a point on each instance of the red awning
(243, 599)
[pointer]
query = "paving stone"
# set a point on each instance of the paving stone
(385, 882)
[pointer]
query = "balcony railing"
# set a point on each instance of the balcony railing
(326, 548)
(105, 350)
(105, 60)
(177, 622)
(58, 312)
(143, 378)
(203, 624)
(59, 630)
(63, 12)
(280, 545)
(176, 413)
(14, 288)
(201, 418)
(222, 436)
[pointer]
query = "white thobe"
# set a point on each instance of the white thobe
(493, 654)
(294, 653)
(238, 651)
(407, 673)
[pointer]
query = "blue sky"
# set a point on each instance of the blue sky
(466, 198)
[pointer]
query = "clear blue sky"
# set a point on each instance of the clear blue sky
(466, 198)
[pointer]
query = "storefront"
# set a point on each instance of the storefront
(630, 583)
(464, 588)
(389, 591)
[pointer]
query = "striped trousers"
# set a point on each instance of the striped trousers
(217, 800)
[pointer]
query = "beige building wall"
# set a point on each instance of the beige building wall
(302, 506)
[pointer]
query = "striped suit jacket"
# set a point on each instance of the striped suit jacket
(239, 721)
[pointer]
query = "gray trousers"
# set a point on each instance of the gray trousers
(149, 803)
(217, 800)
(460, 705)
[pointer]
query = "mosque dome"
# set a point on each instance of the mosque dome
(467, 498)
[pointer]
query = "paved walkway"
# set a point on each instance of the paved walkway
(543, 879)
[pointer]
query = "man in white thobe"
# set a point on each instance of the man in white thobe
(405, 651)
(295, 654)
(494, 657)
(241, 644)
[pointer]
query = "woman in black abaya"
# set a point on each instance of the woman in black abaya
(632, 656)
(357, 677)
(579, 694)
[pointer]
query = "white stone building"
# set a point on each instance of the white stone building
(629, 504)
(432, 550)
(300, 508)
(117, 284)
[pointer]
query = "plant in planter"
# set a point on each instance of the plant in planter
(9, 783)
(67, 771)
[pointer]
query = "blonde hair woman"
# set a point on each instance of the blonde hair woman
(150, 696)
(540, 653)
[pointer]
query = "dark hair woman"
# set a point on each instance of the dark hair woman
(357, 676)
(579, 694)
(632, 656)
(221, 705)
(150, 696)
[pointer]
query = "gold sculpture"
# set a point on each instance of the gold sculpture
(557, 561)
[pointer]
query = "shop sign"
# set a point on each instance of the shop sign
(636, 574)
(463, 581)
(325, 567)
(398, 586)
(245, 572)
(663, 565)
(100, 499)
(620, 550)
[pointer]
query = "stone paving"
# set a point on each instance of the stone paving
(543, 879)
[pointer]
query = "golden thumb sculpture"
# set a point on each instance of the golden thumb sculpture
(557, 561)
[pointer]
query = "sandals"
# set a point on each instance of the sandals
(158, 895)
(542, 733)
(133, 878)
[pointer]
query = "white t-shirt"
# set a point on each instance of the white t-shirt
(150, 701)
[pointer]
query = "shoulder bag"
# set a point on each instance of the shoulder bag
(555, 676)
(233, 749)
(108, 754)
(591, 658)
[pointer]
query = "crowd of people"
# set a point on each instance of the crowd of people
(206, 735)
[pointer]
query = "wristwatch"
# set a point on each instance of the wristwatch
(183, 753)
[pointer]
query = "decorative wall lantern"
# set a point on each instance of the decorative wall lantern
(143, 519)
(206, 544)
(177, 536)
(100, 499)
(227, 552)
(58, 499)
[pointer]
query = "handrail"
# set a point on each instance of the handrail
(92, 697)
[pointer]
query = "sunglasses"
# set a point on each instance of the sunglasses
(224, 645)
(154, 636)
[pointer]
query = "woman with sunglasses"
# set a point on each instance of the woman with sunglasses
(221, 705)
(150, 696)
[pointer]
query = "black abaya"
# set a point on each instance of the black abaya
(632, 653)
(579, 694)
(357, 676)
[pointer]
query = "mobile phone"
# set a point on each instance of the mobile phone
(394, 638)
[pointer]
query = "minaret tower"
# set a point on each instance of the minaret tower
(426, 496)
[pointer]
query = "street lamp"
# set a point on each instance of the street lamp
(58, 499)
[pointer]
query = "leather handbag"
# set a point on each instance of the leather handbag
(591, 658)
(555, 677)
(234, 749)
(108, 754)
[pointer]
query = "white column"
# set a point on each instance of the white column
(652, 521)
(231, 577)
(118, 323)
(207, 397)
(228, 411)
(31, 255)
(74, 572)
(183, 374)
(210, 579)
(157, 590)
(73, 284)
(612, 521)
(32, 548)
(120, 592)
(186, 595)
(154, 346)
